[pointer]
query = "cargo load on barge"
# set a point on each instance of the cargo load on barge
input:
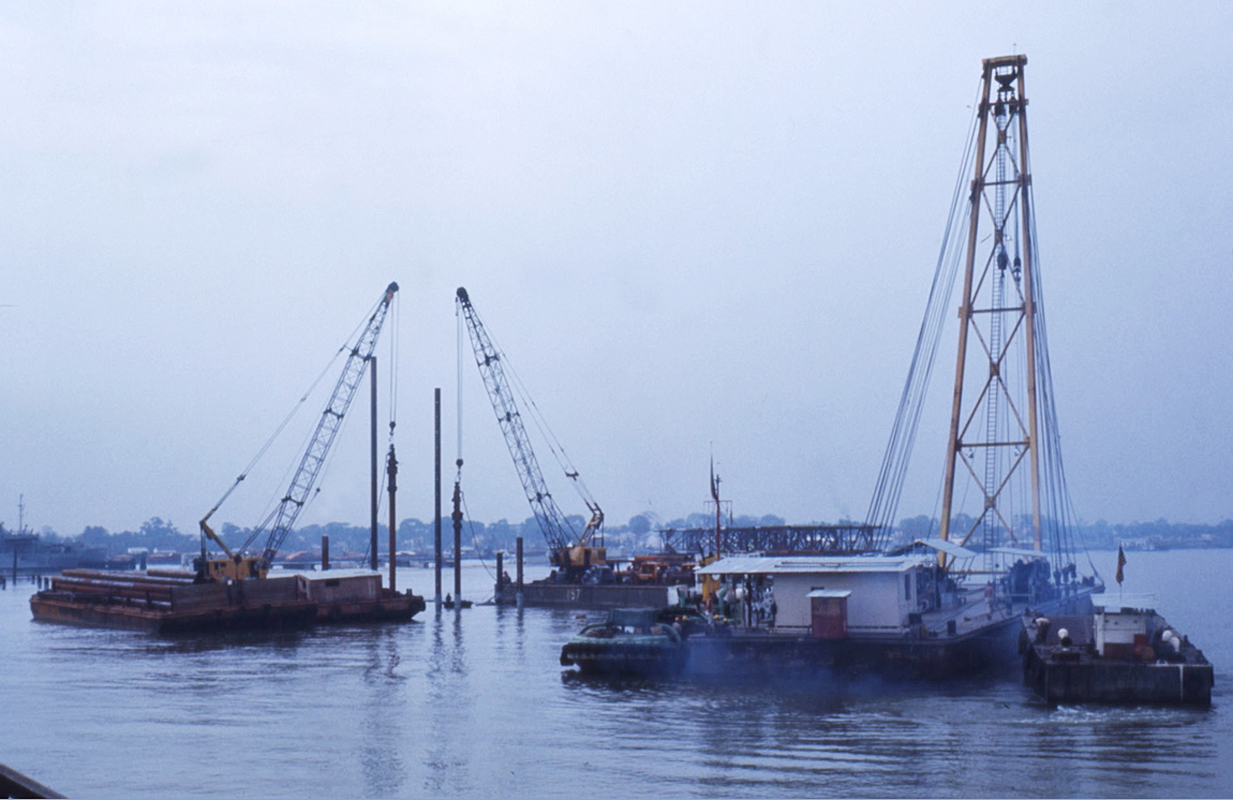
(1123, 653)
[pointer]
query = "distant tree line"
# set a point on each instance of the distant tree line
(1101, 535)
(639, 534)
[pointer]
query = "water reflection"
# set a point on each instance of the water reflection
(385, 712)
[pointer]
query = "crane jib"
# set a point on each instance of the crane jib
(570, 551)
(318, 448)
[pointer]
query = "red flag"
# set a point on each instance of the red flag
(1121, 562)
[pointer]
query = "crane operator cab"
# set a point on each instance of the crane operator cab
(236, 568)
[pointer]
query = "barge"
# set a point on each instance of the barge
(902, 617)
(166, 601)
(1123, 653)
(550, 594)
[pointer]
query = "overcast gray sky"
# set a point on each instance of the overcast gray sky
(689, 225)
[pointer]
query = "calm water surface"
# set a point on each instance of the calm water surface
(475, 704)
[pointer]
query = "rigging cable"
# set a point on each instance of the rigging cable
(885, 500)
(347, 347)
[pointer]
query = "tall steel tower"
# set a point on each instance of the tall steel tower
(993, 427)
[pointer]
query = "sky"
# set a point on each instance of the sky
(697, 230)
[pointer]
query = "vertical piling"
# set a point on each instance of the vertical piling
(391, 467)
(457, 516)
(372, 543)
(325, 552)
(500, 598)
(437, 515)
(518, 556)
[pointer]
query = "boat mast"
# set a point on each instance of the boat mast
(997, 311)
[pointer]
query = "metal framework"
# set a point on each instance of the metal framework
(280, 521)
(331, 419)
(557, 530)
(831, 540)
(993, 427)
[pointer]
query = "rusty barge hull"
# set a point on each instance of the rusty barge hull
(588, 596)
(67, 609)
(173, 603)
(394, 608)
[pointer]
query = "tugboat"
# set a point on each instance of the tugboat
(1124, 653)
(631, 641)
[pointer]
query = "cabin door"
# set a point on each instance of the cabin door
(829, 616)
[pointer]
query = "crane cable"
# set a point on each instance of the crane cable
(884, 502)
(277, 432)
(541, 423)
(272, 505)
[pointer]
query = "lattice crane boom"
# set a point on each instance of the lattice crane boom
(560, 535)
(300, 489)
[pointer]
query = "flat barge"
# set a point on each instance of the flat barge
(645, 581)
(172, 602)
(1123, 653)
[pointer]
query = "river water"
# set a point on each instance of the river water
(474, 704)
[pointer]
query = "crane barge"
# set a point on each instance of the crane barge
(240, 567)
(236, 589)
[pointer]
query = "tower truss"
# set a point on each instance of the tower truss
(1004, 488)
(993, 426)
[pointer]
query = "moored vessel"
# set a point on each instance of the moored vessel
(1123, 653)
(174, 602)
(631, 641)
(901, 616)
